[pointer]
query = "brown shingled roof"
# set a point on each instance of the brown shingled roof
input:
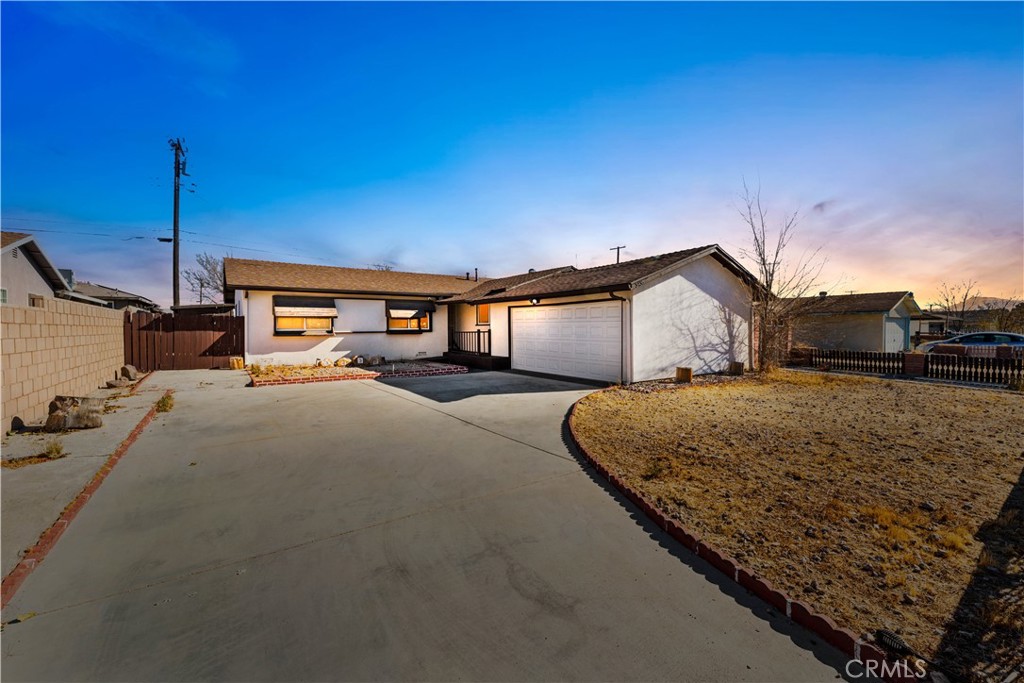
(504, 284)
(250, 274)
(569, 281)
(11, 237)
(840, 304)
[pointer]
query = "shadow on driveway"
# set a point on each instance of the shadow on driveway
(450, 388)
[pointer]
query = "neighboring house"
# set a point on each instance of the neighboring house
(983, 314)
(115, 297)
(625, 322)
(877, 321)
(27, 277)
(926, 323)
(56, 342)
(295, 314)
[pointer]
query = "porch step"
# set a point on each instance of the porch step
(473, 360)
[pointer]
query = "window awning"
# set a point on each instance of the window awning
(409, 309)
(304, 307)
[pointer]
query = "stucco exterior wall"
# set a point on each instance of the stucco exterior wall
(263, 346)
(855, 332)
(465, 317)
(20, 277)
(63, 348)
(696, 317)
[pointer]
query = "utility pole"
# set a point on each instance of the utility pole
(617, 250)
(179, 170)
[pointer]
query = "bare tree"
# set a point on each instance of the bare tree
(784, 281)
(383, 266)
(206, 281)
(954, 302)
(1006, 314)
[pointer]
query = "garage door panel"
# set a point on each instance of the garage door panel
(576, 340)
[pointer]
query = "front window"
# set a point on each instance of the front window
(483, 314)
(296, 325)
(410, 316)
(301, 315)
(415, 324)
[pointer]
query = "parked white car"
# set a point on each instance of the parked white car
(978, 339)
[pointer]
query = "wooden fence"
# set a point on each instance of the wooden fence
(956, 368)
(154, 341)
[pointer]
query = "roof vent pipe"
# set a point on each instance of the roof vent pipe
(476, 275)
(822, 294)
(467, 276)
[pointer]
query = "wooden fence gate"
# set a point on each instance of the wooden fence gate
(155, 341)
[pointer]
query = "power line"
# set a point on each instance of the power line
(290, 252)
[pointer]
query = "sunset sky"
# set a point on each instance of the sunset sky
(447, 137)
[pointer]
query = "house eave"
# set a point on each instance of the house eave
(545, 295)
(229, 293)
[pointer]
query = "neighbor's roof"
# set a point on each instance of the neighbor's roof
(9, 238)
(297, 277)
(109, 293)
(27, 244)
(845, 304)
(569, 281)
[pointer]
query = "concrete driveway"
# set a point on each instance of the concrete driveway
(421, 529)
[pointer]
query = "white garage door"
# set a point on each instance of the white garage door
(576, 340)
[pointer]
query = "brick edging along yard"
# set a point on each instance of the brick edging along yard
(845, 640)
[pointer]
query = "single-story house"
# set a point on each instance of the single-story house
(296, 313)
(27, 276)
(876, 321)
(624, 322)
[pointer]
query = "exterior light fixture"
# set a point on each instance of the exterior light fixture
(534, 301)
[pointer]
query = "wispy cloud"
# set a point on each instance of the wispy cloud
(158, 28)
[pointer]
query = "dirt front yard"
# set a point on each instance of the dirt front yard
(883, 504)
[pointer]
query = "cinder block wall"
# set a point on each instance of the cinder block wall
(64, 348)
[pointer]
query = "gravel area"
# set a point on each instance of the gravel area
(884, 504)
(279, 372)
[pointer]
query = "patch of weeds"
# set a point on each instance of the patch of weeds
(987, 559)
(255, 369)
(165, 403)
(835, 511)
(955, 540)
(1016, 384)
(897, 535)
(54, 450)
(656, 467)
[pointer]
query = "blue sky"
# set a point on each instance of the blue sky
(443, 137)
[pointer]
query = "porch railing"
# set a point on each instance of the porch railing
(473, 341)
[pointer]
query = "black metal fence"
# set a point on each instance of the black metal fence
(876, 362)
(474, 341)
(950, 367)
(978, 370)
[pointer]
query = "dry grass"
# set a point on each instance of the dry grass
(863, 497)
